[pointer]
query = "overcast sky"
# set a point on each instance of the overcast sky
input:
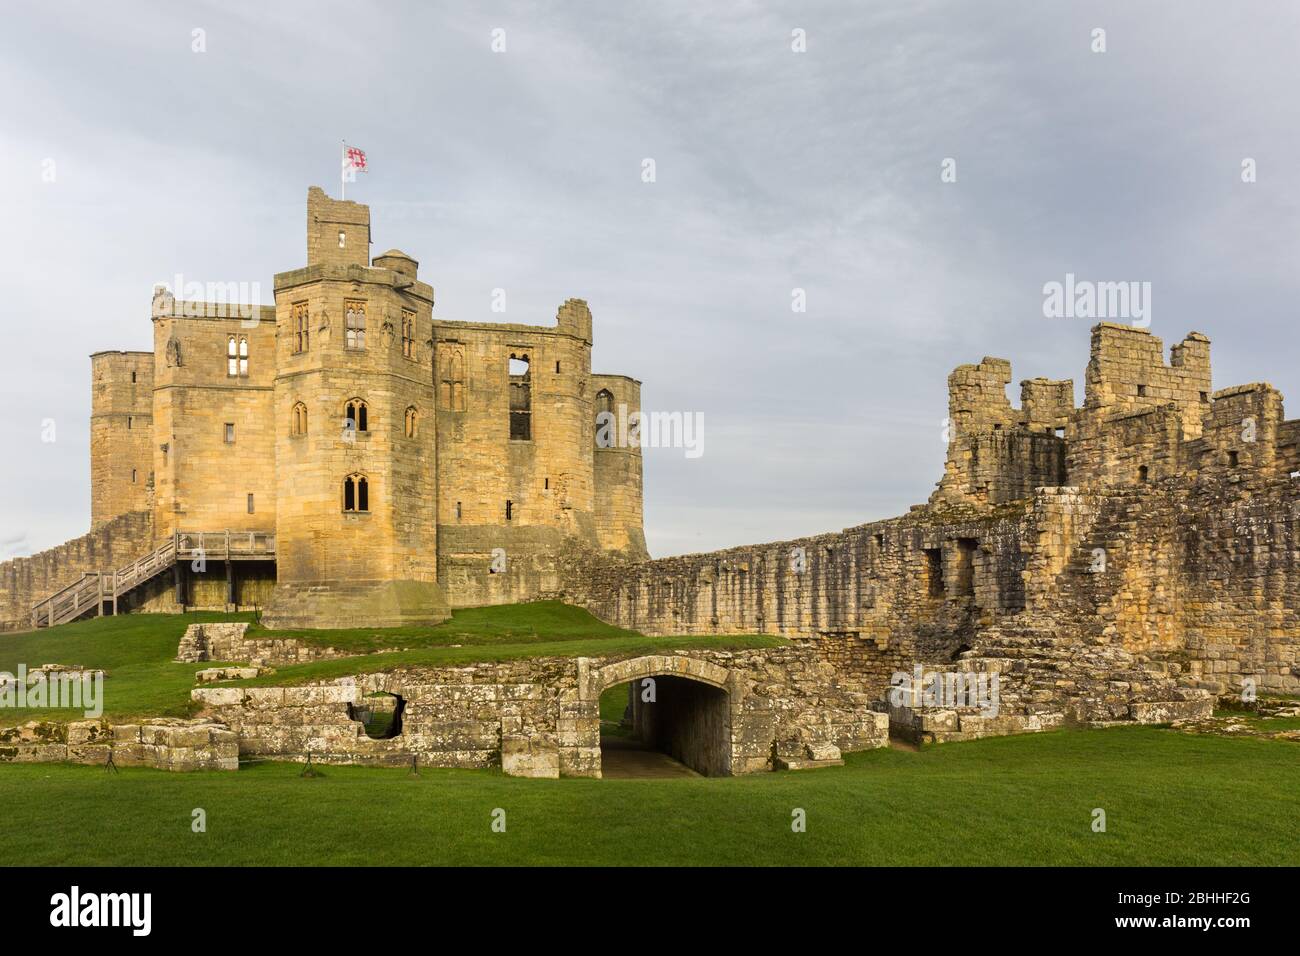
(774, 170)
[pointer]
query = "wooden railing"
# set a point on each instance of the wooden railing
(95, 587)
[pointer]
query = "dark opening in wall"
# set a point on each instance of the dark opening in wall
(934, 572)
(1234, 459)
(380, 714)
(1143, 472)
(1205, 396)
(1142, 391)
(966, 548)
(510, 508)
(880, 542)
(521, 398)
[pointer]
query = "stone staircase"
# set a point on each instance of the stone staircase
(1049, 676)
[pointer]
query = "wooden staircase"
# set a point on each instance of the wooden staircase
(96, 588)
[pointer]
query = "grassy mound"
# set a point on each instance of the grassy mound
(138, 651)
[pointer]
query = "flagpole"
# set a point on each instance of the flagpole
(343, 170)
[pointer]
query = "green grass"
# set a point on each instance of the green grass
(535, 622)
(613, 702)
(137, 651)
(1170, 798)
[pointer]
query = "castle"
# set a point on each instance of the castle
(343, 458)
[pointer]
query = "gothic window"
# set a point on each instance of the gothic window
(237, 356)
(357, 416)
(451, 376)
(412, 422)
(230, 433)
(299, 419)
(356, 493)
(521, 398)
(301, 332)
(408, 334)
(355, 313)
(605, 419)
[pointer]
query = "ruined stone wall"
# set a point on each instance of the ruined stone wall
(163, 743)
(872, 597)
(121, 434)
(541, 716)
(112, 545)
(618, 468)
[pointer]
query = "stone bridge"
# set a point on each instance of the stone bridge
(718, 712)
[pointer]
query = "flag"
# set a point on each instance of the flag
(354, 158)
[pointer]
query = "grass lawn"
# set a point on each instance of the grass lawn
(137, 651)
(1170, 798)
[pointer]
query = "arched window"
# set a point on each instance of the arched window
(355, 315)
(412, 422)
(237, 356)
(356, 416)
(356, 493)
(605, 424)
(299, 419)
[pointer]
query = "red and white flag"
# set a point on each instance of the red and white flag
(354, 158)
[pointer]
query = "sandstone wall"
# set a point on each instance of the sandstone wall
(164, 744)
(121, 434)
(114, 544)
(541, 717)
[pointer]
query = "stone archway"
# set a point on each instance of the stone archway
(681, 707)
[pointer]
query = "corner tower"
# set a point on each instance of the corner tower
(355, 433)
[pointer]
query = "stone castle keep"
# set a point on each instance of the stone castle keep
(344, 459)
(372, 466)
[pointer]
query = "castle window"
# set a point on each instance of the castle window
(934, 572)
(1060, 432)
(299, 426)
(357, 416)
(451, 375)
(408, 334)
(230, 433)
(1205, 396)
(237, 356)
(133, 476)
(966, 548)
(412, 422)
(1142, 391)
(129, 422)
(355, 314)
(458, 511)
(343, 238)
(301, 328)
(133, 378)
(356, 493)
(1234, 459)
(1143, 473)
(604, 419)
(510, 508)
(250, 504)
(557, 368)
(521, 398)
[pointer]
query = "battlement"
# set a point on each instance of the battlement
(1142, 419)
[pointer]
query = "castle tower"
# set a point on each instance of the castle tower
(355, 448)
(121, 434)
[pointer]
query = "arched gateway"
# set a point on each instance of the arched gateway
(680, 706)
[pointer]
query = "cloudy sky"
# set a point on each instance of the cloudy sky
(774, 170)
